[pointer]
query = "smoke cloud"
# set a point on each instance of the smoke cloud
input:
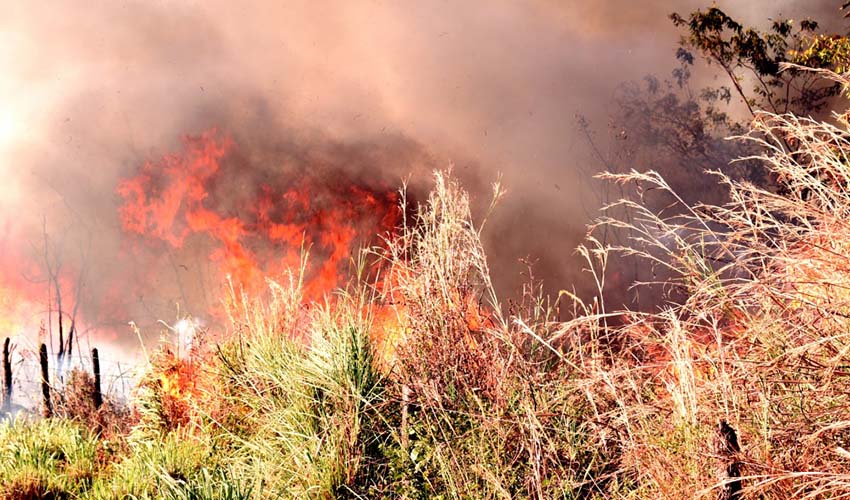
(385, 89)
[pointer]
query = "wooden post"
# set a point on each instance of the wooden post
(729, 473)
(7, 374)
(98, 395)
(405, 411)
(45, 381)
(61, 353)
(70, 349)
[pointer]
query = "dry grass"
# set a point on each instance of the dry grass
(423, 385)
(760, 339)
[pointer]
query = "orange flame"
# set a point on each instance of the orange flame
(27, 291)
(255, 231)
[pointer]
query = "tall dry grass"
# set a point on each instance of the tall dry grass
(760, 336)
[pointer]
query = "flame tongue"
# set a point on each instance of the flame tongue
(254, 231)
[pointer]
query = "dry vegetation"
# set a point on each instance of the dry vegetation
(426, 387)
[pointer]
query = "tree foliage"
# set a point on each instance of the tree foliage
(676, 127)
(759, 59)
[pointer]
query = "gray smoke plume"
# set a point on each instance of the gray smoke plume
(90, 92)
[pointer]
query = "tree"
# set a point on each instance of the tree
(672, 127)
(746, 54)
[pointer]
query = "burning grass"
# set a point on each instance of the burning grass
(421, 385)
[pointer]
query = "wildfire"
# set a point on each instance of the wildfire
(28, 290)
(255, 229)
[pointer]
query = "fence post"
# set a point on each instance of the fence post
(70, 353)
(727, 449)
(405, 410)
(45, 381)
(98, 395)
(7, 374)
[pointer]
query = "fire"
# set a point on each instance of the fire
(249, 222)
(253, 229)
(15, 308)
(28, 291)
(252, 222)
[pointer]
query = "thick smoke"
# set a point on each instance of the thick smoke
(387, 89)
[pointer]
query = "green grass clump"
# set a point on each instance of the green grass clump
(47, 459)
